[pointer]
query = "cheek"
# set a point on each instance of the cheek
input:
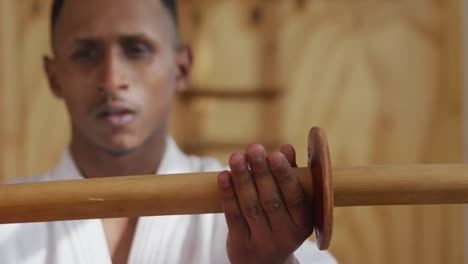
(77, 93)
(157, 101)
(74, 82)
(159, 86)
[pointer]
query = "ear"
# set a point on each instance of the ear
(184, 62)
(51, 72)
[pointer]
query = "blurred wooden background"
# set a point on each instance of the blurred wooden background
(382, 77)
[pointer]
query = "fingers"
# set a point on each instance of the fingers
(291, 189)
(239, 231)
(290, 153)
(268, 192)
(263, 194)
(265, 205)
(247, 198)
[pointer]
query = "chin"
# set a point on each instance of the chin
(118, 152)
(120, 147)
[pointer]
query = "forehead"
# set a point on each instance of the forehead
(110, 18)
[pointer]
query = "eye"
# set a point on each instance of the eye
(85, 54)
(136, 50)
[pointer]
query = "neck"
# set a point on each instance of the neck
(93, 161)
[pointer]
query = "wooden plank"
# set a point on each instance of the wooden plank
(34, 121)
(383, 80)
(8, 94)
(230, 121)
(42, 115)
(234, 45)
(221, 94)
(231, 41)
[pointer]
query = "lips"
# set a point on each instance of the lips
(116, 115)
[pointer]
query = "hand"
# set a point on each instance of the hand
(266, 210)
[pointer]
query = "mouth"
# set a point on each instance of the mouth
(116, 116)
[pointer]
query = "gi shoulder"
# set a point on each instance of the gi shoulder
(29, 179)
(205, 164)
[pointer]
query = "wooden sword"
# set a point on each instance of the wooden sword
(197, 193)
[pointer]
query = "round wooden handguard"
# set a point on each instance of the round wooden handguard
(320, 169)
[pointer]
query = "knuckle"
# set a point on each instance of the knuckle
(272, 205)
(252, 210)
(228, 195)
(283, 174)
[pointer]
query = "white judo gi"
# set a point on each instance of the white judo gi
(160, 239)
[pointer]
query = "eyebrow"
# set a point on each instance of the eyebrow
(135, 37)
(88, 41)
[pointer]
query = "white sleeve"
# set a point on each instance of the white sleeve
(308, 252)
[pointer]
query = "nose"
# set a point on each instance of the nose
(112, 74)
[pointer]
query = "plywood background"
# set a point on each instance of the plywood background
(382, 77)
(34, 127)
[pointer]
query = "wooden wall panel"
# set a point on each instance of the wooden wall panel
(34, 127)
(8, 102)
(380, 68)
(381, 77)
(225, 34)
(234, 82)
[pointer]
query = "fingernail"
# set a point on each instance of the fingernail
(225, 179)
(237, 162)
(276, 160)
(256, 151)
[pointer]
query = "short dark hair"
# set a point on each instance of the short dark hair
(57, 6)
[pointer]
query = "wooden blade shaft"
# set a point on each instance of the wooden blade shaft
(196, 193)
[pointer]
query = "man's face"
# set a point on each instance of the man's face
(116, 67)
